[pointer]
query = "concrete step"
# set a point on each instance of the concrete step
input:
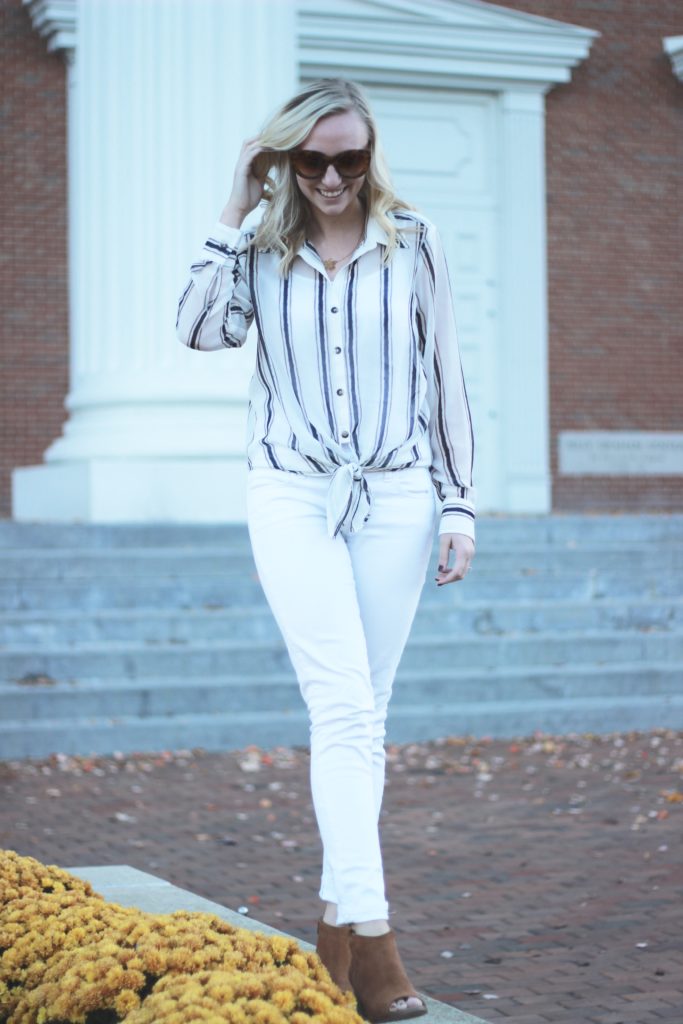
(111, 563)
(68, 565)
(169, 623)
(179, 695)
(130, 660)
(255, 623)
(554, 529)
(406, 723)
(94, 594)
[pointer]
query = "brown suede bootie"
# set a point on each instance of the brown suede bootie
(333, 949)
(378, 979)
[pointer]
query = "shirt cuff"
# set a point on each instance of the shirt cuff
(457, 522)
(223, 237)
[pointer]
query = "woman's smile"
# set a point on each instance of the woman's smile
(331, 194)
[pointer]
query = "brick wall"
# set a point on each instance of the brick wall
(34, 343)
(615, 238)
(615, 202)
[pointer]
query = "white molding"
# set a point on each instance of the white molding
(524, 410)
(460, 43)
(673, 45)
(55, 20)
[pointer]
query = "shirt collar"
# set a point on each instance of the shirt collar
(375, 235)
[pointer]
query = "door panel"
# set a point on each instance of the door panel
(441, 151)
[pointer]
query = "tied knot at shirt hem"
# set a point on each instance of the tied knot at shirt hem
(348, 499)
(349, 504)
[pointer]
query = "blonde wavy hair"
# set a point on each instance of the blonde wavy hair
(287, 218)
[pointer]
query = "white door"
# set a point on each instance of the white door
(441, 150)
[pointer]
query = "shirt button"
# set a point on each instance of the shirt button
(335, 309)
(345, 433)
(340, 391)
(337, 349)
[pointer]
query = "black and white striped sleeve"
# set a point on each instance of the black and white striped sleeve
(215, 308)
(450, 426)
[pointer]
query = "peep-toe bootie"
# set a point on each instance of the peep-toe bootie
(378, 979)
(333, 949)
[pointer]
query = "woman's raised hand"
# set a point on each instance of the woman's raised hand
(247, 188)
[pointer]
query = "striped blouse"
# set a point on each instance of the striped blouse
(354, 374)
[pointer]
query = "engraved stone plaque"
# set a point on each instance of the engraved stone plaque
(620, 453)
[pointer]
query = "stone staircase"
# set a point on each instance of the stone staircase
(158, 636)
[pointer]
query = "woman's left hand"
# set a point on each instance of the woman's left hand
(464, 552)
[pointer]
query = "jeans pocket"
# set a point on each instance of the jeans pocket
(414, 481)
(407, 486)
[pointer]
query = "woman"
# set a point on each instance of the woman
(358, 421)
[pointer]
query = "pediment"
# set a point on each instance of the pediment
(442, 38)
(455, 13)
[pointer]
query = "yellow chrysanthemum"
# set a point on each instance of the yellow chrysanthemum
(67, 954)
(20, 875)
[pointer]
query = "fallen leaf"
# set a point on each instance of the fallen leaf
(36, 679)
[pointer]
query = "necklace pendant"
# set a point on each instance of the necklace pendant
(329, 264)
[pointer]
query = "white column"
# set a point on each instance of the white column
(161, 95)
(524, 345)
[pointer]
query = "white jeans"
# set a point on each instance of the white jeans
(345, 606)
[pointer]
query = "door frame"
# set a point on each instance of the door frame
(464, 45)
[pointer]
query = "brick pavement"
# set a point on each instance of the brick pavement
(531, 881)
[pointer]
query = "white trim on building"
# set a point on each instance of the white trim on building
(55, 20)
(673, 45)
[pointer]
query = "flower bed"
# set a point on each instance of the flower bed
(67, 956)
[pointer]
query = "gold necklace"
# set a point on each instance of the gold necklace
(330, 264)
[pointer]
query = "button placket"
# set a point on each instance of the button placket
(338, 361)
